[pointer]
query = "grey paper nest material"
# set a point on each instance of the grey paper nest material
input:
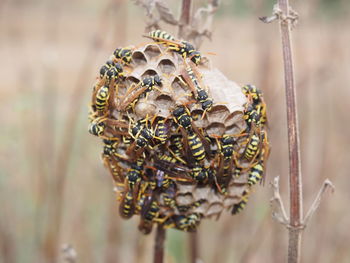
(181, 141)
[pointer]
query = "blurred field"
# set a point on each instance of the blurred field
(53, 187)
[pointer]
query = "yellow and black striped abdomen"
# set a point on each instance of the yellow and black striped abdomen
(127, 206)
(102, 97)
(252, 148)
(196, 146)
(161, 34)
(239, 206)
(255, 174)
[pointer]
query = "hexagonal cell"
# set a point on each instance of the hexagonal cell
(198, 118)
(164, 102)
(152, 51)
(218, 113)
(184, 199)
(215, 128)
(166, 66)
(233, 118)
(149, 73)
(145, 107)
(233, 129)
(214, 208)
(131, 81)
(178, 88)
(139, 58)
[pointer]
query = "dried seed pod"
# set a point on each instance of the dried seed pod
(201, 138)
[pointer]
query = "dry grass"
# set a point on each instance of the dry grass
(39, 74)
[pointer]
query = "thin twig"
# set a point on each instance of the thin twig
(279, 213)
(159, 244)
(327, 184)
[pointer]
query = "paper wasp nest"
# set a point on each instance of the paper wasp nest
(181, 141)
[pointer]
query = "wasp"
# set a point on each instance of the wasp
(133, 175)
(225, 164)
(252, 93)
(111, 70)
(127, 204)
(192, 79)
(196, 146)
(254, 116)
(182, 117)
(189, 222)
(99, 125)
(102, 96)
(161, 130)
(169, 196)
(123, 54)
(196, 142)
(110, 147)
(142, 133)
(240, 205)
(184, 48)
(149, 212)
(157, 35)
(253, 147)
(135, 92)
(256, 110)
(256, 173)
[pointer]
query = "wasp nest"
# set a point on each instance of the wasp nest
(181, 141)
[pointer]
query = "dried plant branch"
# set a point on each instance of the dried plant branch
(152, 7)
(288, 19)
(159, 244)
(295, 179)
(191, 27)
(165, 14)
(327, 184)
(279, 212)
(202, 22)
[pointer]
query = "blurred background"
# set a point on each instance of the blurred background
(54, 189)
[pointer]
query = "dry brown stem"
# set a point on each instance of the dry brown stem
(193, 240)
(295, 223)
(159, 244)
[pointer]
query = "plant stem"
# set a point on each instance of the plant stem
(193, 246)
(159, 244)
(295, 183)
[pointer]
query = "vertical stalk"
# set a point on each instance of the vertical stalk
(193, 237)
(295, 183)
(159, 244)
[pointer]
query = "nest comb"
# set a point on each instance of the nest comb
(173, 168)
